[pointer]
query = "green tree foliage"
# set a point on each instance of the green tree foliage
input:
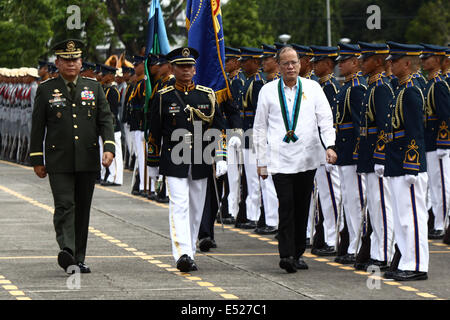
(431, 25)
(242, 25)
(304, 20)
(24, 31)
(94, 29)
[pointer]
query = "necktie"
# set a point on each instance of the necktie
(71, 85)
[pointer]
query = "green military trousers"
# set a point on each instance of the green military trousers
(72, 195)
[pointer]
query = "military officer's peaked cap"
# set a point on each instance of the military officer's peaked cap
(232, 52)
(347, 51)
(302, 50)
(183, 55)
(399, 50)
(152, 59)
(321, 52)
(42, 63)
(87, 66)
(69, 49)
(269, 51)
(138, 60)
(127, 69)
(279, 45)
(162, 59)
(52, 67)
(432, 50)
(370, 49)
(105, 69)
(250, 53)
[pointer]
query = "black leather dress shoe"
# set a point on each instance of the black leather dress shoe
(382, 265)
(325, 251)
(66, 259)
(300, 264)
(136, 192)
(436, 234)
(83, 268)
(308, 243)
(266, 230)
(162, 199)
(227, 220)
(193, 266)
(184, 263)
(205, 244)
(247, 225)
(288, 264)
(402, 275)
(345, 259)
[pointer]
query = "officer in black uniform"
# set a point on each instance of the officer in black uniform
(406, 167)
(327, 177)
(437, 136)
(114, 176)
(69, 114)
(186, 110)
(376, 245)
(349, 101)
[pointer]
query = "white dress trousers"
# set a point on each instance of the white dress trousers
(329, 188)
(439, 184)
(116, 167)
(411, 221)
(381, 217)
(187, 199)
(352, 188)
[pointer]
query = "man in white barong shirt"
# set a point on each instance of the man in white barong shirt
(286, 137)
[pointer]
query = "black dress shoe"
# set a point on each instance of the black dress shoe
(402, 275)
(382, 265)
(300, 264)
(151, 196)
(162, 199)
(436, 234)
(205, 244)
(325, 251)
(83, 268)
(247, 225)
(266, 230)
(66, 259)
(288, 264)
(227, 220)
(308, 243)
(136, 192)
(106, 183)
(193, 266)
(346, 259)
(184, 263)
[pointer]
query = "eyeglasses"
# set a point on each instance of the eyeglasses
(289, 63)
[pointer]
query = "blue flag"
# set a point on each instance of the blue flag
(205, 34)
(156, 43)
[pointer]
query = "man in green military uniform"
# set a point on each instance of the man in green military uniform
(69, 114)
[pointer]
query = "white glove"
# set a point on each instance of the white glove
(234, 142)
(379, 170)
(329, 167)
(221, 168)
(153, 172)
(411, 179)
(442, 153)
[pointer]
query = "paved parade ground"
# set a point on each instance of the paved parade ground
(129, 253)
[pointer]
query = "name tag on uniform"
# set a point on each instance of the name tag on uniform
(87, 95)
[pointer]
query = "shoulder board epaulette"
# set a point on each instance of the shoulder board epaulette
(166, 89)
(89, 78)
(45, 81)
(205, 89)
